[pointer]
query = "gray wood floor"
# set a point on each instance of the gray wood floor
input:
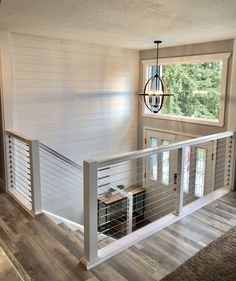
(41, 250)
(7, 271)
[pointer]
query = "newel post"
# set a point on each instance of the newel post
(90, 212)
(180, 181)
(130, 213)
(35, 176)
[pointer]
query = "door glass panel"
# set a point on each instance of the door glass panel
(165, 164)
(186, 168)
(153, 160)
(200, 171)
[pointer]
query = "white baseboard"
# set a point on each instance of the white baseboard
(57, 219)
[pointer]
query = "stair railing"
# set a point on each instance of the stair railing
(162, 185)
(61, 185)
(23, 171)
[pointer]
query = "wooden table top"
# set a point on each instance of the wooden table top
(118, 196)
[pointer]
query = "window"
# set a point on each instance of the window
(187, 153)
(200, 171)
(198, 86)
(165, 164)
(153, 160)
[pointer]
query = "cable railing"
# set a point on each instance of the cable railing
(129, 196)
(61, 185)
(23, 178)
(41, 179)
(126, 197)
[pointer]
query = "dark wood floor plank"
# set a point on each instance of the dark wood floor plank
(171, 249)
(149, 260)
(58, 253)
(207, 234)
(64, 236)
(210, 222)
(153, 250)
(189, 231)
(213, 208)
(36, 261)
(127, 268)
(160, 273)
(106, 272)
(11, 255)
(217, 217)
(179, 243)
(226, 208)
(186, 238)
(56, 248)
(7, 271)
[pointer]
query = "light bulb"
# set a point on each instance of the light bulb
(158, 93)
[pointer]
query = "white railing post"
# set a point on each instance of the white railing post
(35, 176)
(180, 181)
(90, 212)
(130, 213)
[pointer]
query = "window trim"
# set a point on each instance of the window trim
(224, 57)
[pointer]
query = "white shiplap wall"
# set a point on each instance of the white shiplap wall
(79, 99)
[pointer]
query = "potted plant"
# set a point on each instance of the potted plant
(109, 192)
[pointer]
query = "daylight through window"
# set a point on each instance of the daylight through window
(197, 85)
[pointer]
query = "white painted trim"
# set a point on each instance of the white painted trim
(19, 136)
(58, 219)
(148, 151)
(184, 119)
(145, 128)
(137, 236)
(72, 225)
(90, 210)
(193, 59)
(189, 59)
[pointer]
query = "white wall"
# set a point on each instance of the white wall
(77, 98)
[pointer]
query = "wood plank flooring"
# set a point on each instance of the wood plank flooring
(42, 250)
(7, 271)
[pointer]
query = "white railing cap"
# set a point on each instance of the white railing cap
(148, 151)
(18, 136)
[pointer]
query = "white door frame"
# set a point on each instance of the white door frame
(179, 134)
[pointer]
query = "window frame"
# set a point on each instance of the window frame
(224, 57)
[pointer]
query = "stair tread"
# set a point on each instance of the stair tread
(56, 252)
(78, 234)
(65, 237)
(38, 264)
(7, 243)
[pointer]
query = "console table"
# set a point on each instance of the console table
(112, 211)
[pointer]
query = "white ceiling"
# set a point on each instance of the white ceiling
(123, 23)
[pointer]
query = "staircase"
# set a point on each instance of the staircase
(38, 248)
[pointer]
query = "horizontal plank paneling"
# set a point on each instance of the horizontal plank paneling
(80, 99)
(76, 88)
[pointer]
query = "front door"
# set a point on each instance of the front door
(160, 171)
(159, 177)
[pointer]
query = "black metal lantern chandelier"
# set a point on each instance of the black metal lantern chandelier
(154, 90)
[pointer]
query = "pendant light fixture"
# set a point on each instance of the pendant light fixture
(154, 90)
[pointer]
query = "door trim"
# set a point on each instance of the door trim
(145, 128)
